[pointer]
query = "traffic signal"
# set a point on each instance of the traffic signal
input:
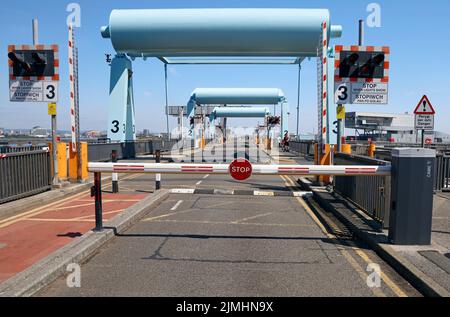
(364, 64)
(32, 63)
(273, 120)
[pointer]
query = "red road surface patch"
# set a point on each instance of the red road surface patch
(33, 237)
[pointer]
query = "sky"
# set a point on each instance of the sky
(416, 31)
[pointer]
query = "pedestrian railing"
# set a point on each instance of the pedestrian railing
(442, 179)
(23, 174)
(370, 193)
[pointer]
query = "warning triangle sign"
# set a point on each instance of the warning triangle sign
(424, 107)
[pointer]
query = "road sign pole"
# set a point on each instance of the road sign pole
(54, 152)
(361, 33)
(423, 138)
(339, 135)
(35, 29)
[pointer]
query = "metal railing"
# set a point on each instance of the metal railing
(370, 193)
(302, 147)
(24, 174)
(442, 178)
(98, 152)
(16, 149)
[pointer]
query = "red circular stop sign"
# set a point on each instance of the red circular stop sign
(240, 169)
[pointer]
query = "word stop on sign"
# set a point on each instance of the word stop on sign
(240, 169)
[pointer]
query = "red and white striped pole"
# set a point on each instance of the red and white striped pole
(324, 85)
(72, 90)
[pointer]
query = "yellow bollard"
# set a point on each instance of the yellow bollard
(61, 152)
(203, 143)
(346, 148)
(371, 150)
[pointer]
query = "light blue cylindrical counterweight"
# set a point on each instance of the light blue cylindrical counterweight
(241, 112)
(218, 32)
(238, 96)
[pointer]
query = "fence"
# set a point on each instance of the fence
(302, 147)
(15, 149)
(98, 152)
(24, 174)
(370, 193)
(442, 179)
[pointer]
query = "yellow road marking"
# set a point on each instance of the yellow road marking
(37, 211)
(251, 218)
(377, 292)
(391, 284)
(84, 218)
(232, 223)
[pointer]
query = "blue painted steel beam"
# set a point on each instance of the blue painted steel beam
(218, 32)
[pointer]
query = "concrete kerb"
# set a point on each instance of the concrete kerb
(412, 274)
(41, 274)
(21, 205)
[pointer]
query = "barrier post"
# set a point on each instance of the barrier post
(114, 176)
(96, 191)
(412, 189)
(158, 176)
(371, 150)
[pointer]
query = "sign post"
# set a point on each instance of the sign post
(34, 77)
(424, 118)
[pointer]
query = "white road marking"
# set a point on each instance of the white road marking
(176, 205)
(198, 183)
(206, 176)
(182, 191)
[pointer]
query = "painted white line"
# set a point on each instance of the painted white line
(176, 205)
(198, 183)
(182, 191)
(206, 176)
(301, 194)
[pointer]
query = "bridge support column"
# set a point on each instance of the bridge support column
(412, 192)
(121, 121)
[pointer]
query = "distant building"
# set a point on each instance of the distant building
(39, 132)
(2, 133)
(390, 127)
(93, 134)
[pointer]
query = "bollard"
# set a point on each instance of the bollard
(346, 148)
(114, 176)
(96, 191)
(371, 150)
(158, 176)
(412, 189)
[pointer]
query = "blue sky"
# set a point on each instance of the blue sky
(416, 31)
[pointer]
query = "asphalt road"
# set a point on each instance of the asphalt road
(214, 245)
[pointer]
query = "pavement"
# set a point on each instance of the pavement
(232, 245)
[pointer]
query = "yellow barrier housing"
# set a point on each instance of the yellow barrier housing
(61, 153)
(73, 163)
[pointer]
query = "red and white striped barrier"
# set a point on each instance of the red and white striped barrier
(72, 90)
(313, 170)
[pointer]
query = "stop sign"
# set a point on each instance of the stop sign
(240, 169)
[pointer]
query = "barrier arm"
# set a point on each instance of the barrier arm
(313, 170)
